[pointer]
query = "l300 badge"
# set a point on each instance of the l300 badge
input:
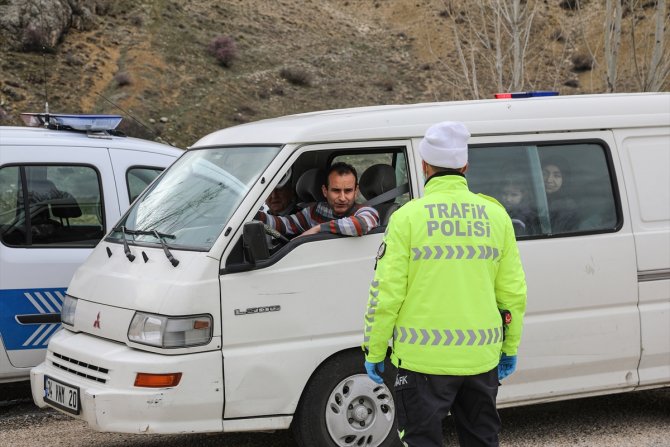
(257, 310)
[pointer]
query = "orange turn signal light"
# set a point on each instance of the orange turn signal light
(147, 380)
(201, 324)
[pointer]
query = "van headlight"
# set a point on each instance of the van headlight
(170, 332)
(68, 309)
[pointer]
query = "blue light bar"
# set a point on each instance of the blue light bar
(93, 123)
(533, 94)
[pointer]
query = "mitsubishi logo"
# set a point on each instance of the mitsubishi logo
(96, 323)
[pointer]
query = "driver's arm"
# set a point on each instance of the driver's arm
(291, 225)
(362, 222)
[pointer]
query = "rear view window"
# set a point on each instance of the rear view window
(548, 190)
(138, 179)
(54, 205)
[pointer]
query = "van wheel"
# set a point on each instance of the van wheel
(342, 407)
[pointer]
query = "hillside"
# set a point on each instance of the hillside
(151, 59)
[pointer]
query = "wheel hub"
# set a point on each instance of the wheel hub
(359, 412)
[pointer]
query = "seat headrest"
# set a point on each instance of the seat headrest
(42, 190)
(308, 187)
(376, 180)
(65, 208)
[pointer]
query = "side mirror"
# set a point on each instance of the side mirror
(254, 242)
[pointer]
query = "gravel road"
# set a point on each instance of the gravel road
(640, 419)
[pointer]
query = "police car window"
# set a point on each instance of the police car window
(10, 200)
(548, 189)
(138, 178)
(51, 206)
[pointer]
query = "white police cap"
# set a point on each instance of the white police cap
(445, 145)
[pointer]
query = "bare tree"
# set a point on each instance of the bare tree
(491, 38)
(651, 78)
(517, 23)
(613, 15)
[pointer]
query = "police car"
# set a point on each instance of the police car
(63, 184)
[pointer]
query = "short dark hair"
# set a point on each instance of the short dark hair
(437, 169)
(342, 169)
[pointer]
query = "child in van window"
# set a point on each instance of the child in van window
(515, 197)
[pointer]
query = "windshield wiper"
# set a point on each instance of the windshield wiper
(126, 248)
(154, 233)
(160, 236)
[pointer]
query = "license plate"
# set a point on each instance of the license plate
(61, 395)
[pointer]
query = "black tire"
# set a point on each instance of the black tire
(317, 411)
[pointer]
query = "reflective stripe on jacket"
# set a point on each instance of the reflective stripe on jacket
(449, 261)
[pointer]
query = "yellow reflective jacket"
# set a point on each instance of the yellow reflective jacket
(448, 263)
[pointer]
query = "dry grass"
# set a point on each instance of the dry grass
(349, 53)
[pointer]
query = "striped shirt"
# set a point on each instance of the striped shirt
(358, 221)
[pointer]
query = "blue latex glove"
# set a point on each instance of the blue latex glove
(506, 366)
(372, 369)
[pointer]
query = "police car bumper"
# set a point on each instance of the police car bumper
(93, 380)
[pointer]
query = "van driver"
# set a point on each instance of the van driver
(338, 214)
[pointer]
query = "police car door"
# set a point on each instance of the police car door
(69, 192)
(134, 170)
(582, 327)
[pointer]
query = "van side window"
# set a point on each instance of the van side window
(138, 178)
(363, 161)
(549, 189)
(50, 205)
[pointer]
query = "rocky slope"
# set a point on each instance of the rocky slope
(152, 59)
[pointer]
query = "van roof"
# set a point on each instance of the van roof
(483, 117)
(31, 136)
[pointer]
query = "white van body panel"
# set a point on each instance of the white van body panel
(300, 283)
(192, 288)
(38, 276)
(144, 410)
(598, 301)
(647, 158)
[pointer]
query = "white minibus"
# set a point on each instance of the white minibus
(188, 318)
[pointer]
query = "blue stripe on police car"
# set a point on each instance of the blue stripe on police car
(17, 303)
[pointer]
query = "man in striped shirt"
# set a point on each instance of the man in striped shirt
(339, 214)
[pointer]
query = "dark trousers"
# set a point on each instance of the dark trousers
(424, 400)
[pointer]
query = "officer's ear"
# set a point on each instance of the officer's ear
(464, 169)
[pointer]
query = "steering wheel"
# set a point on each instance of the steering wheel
(274, 234)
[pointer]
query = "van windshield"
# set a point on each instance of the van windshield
(191, 204)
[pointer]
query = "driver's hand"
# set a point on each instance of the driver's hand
(315, 229)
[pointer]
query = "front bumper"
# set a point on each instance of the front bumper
(104, 371)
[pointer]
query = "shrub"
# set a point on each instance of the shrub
(122, 78)
(35, 39)
(224, 49)
(296, 76)
(570, 5)
(386, 84)
(582, 62)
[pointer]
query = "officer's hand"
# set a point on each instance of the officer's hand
(506, 366)
(372, 369)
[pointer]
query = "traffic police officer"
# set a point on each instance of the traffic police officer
(447, 270)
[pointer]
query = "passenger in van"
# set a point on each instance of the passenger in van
(562, 208)
(338, 214)
(515, 197)
(282, 201)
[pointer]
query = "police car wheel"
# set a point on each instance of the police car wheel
(342, 407)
